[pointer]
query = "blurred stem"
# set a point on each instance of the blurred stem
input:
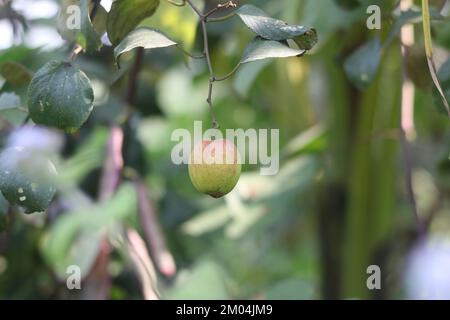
(429, 53)
(407, 119)
(152, 229)
(222, 18)
(133, 77)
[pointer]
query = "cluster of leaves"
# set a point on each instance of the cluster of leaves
(363, 64)
(60, 96)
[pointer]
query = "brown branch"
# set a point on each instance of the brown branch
(144, 266)
(113, 164)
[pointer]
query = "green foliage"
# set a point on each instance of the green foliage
(86, 36)
(144, 37)
(274, 29)
(362, 65)
(76, 238)
(125, 15)
(15, 73)
(260, 49)
(60, 96)
(337, 204)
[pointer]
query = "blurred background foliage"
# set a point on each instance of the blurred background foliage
(337, 205)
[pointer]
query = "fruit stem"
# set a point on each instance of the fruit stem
(212, 79)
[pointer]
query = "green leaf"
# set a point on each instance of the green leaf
(259, 49)
(246, 76)
(87, 157)
(84, 34)
(125, 15)
(413, 15)
(204, 281)
(75, 237)
(60, 96)
(100, 19)
(273, 29)
(444, 78)
(144, 37)
(292, 289)
(9, 100)
(15, 73)
(180, 23)
(362, 65)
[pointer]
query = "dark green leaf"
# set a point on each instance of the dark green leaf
(99, 21)
(361, 67)
(274, 29)
(15, 73)
(259, 49)
(85, 34)
(444, 78)
(60, 96)
(144, 37)
(125, 15)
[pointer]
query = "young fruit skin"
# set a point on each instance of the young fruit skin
(60, 96)
(26, 179)
(215, 167)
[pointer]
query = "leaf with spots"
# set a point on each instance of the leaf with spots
(273, 29)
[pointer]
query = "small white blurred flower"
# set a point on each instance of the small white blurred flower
(36, 139)
(428, 270)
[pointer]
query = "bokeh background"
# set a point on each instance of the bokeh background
(339, 203)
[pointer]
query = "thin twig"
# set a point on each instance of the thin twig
(227, 76)
(77, 49)
(193, 56)
(226, 5)
(203, 20)
(222, 18)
